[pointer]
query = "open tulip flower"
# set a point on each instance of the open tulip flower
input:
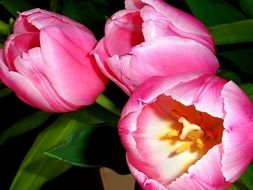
(187, 131)
(152, 38)
(47, 62)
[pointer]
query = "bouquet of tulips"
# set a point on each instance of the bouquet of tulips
(159, 89)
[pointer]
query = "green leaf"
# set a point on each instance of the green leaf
(229, 75)
(247, 176)
(247, 7)
(248, 89)
(5, 92)
(237, 32)
(93, 146)
(95, 114)
(37, 168)
(4, 28)
(241, 59)
(108, 104)
(233, 187)
(24, 125)
(14, 6)
(245, 181)
(214, 12)
(92, 14)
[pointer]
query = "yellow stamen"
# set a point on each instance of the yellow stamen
(183, 147)
(192, 131)
(172, 133)
(200, 143)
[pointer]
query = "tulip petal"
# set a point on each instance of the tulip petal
(238, 135)
(145, 95)
(68, 63)
(32, 67)
(204, 93)
(204, 174)
(155, 25)
(116, 66)
(22, 25)
(163, 57)
(145, 182)
(40, 20)
(34, 19)
(133, 4)
(20, 84)
(18, 43)
(125, 24)
(185, 24)
(101, 54)
(157, 150)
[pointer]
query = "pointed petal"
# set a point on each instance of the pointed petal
(125, 25)
(22, 25)
(119, 67)
(168, 56)
(145, 182)
(133, 4)
(18, 43)
(101, 56)
(155, 25)
(20, 84)
(31, 66)
(69, 67)
(185, 24)
(238, 135)
(204, 174)
(203, 92)
(144, 94)
(34, 19)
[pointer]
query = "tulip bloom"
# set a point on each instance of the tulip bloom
(152, 38)
(47, 62)
(189, 131)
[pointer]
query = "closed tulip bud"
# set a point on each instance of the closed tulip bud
(47, 62)
(152, 38)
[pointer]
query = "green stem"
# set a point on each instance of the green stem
(105, 102)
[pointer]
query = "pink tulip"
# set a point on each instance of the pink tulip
(152, 38)
(187, 131)
(47, 62)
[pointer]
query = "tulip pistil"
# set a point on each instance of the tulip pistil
(192, 131)
(191, 136)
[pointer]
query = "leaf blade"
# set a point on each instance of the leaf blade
(240, 58)
(93, 146)
(247, 6)
(14, 6)
(24, 125)
(36, 169)
(237, 32)
(214, 12)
